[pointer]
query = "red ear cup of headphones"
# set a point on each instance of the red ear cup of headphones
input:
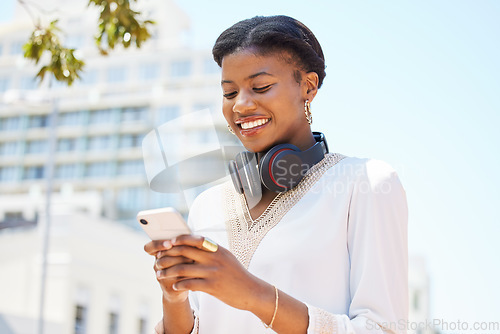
(281, 168)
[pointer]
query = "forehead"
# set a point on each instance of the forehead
(245, 63)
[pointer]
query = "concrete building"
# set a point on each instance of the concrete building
(103, 118)
(99, 279)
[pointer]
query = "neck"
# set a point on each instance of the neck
(302, 145)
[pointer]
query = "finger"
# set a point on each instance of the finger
(193, 284)
(155, 246)
(195, 241)
(169, 261)
(188, 240)
(190, 252)
(186, 271)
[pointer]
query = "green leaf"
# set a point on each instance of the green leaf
(116, 19)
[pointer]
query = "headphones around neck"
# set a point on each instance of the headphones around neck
(279, 169)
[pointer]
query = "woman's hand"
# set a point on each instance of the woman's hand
(187, 266)
(182, 265)
(155, 248)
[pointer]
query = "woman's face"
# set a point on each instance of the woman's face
(264, 101)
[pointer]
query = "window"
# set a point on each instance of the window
(28, 83)
(39, 121)
(80, 319)
(104, 116)
(98, 169)
(16, 47)
(36, 146)
(34, 172)
(14, 216)
(160, 200)
(116, 74)
(131, 199)
(9, 174)
(131, 167)
(202, 106)
(88, 77)
(134, 114)
(129, 140)
(113, 323)
(142, 326)
(99, 143)
(10, 123)
(4, 84)
(66, 144)
(180, 68)
(201, 136)
(416, 300)
(70, 118)
(167, 113)
(149, 72)
(67, 171)
(9, 148)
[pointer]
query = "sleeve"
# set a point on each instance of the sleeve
(193, 299)
(159, 329)
(378, 253)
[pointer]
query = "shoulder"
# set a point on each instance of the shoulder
(211, 195)
(368, 172)
(209, 203)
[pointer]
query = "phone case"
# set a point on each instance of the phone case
(162, 224)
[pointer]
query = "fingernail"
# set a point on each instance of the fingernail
(158, 273)
(174, 240)
(167, 244)
(174, 287)
(158, 255)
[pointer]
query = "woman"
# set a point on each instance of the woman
(328, 255)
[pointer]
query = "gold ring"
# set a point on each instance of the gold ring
(209, 245)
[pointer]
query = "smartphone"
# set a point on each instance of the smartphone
(162, 224)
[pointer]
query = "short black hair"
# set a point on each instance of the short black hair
(273, 34)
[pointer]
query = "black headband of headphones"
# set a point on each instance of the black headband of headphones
(279, 169)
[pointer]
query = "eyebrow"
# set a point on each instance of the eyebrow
(249, 77)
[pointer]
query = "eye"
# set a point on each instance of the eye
(230, 95)
(262, 89)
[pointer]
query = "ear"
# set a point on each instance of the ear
(311, 85)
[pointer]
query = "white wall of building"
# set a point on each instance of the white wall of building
(92, 262)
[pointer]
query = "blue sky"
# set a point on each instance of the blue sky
(417, 84)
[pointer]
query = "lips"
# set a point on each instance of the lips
(251, 124)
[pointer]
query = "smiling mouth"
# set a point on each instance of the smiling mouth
(254, 124)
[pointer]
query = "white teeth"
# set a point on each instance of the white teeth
(253, 124)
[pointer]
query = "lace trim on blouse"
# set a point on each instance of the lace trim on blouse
(321, 321)
(245, 233)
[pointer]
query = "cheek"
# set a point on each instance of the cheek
(227, 109)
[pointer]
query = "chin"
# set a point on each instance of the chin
(258, 147)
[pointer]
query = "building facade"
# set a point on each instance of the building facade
(95, 143)
(98, 277)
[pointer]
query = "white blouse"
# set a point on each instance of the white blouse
(337, 242)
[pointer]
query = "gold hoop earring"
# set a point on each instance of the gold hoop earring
(230, 129)
(307, 111)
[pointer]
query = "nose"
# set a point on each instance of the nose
(244, 102)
